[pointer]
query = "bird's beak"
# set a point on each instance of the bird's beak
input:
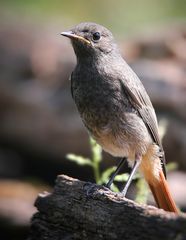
(72, 35)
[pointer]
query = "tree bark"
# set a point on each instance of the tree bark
(68, 213)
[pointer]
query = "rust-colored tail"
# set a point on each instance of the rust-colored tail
(162, 195)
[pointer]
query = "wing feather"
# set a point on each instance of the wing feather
(141, 102)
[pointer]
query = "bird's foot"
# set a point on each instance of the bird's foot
(107, 185)
(92, 189)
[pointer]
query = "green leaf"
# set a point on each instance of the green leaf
(124, 177)
(79, 160)
(106, 174)
(142, 191)
(163, 125)
(121, 177)
(96, 151)
(114, 188)
(171, 166)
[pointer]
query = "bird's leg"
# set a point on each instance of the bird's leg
(122, 161)
(90, 188)
(134, 168)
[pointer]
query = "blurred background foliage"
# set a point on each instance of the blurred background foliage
(39, 123)
(120, 16)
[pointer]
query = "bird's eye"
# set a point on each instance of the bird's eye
(96, 36)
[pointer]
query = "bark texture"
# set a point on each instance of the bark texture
(68, 213)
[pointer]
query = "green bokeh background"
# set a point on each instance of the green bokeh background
(122, 16)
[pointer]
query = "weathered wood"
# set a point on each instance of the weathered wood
(68, 213)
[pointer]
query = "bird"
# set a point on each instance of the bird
(116, 109)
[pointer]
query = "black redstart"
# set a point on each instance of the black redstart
(116, 108)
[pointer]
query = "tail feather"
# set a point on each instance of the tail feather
(162, 194)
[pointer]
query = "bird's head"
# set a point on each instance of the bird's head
(90, 39)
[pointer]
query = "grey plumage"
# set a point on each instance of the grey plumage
(110, 98)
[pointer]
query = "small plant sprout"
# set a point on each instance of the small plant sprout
(94, 163)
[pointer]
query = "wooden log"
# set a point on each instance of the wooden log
(68, 213)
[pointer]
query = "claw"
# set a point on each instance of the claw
(91, 189)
